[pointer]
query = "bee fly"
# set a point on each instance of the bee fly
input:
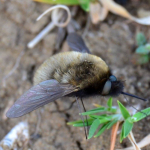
(77, 73)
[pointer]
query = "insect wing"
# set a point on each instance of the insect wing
(76, 43)
(39, 95)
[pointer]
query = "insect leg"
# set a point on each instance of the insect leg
(64, 110)
(81, 116)
(84, 111)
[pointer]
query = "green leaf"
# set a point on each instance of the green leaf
(97, 116)
(74, 122)
(79, 121)
(64, 2)
(123, 110)
(122, 134)
(93, 128)
(112, 110)
(127, 128)
(142, 50)
(102, 129)
(139, 115)
(143, 59)
(83, 124)
(112, 123)
(86, 123)
(109, 102)
(147, 46)
(140, 39)
(86, 5)
(97, 110)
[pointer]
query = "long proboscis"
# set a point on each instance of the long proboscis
(133, 96)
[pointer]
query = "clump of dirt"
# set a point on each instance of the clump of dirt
(113, 40)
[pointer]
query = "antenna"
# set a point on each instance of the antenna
(133, 96)
(134, 107)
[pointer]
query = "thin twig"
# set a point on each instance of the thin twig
(113, 135)
(87, 26)
(41, 35)
(56, 17)
(55, 21)
(132, 140)
(14, 68)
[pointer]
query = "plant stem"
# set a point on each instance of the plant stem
(41, 35)
(132, 140)
(113, 135)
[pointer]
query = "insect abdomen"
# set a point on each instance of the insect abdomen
(78, 69)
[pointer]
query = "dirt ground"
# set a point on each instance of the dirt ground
(113, 40)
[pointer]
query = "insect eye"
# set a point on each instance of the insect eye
(112, 78)
(106, 88)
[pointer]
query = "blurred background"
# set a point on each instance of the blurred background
(113, 39)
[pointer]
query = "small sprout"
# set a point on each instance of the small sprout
(143, 59)
(143, 49)
(103, 118)
(140, 39)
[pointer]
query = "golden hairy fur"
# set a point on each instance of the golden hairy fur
(78, 69)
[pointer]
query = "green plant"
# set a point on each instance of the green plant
(99, 9)
(84, 4)
(143, 48)
(108, 117)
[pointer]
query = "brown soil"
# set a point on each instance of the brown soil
(113, 40)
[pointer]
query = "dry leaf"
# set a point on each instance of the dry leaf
(104, 13)
(95, 10)
(133, 142)
(115, 8)
(143, 13)
(119, 10)
(144, 142)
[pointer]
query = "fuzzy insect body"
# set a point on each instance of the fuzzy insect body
(77, 73)
(86, 72)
